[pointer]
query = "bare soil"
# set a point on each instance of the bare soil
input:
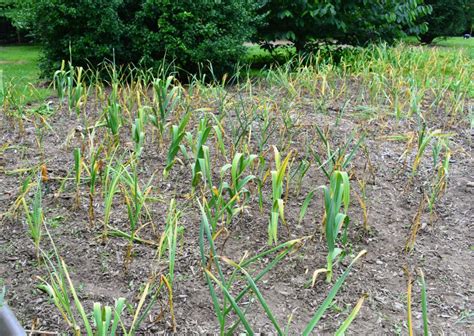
(443, 248)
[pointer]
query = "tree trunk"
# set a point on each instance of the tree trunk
(427, 39)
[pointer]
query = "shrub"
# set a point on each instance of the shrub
(144, 32)
(191, 32)
(88, 31)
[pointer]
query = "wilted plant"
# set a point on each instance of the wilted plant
(335, 159)
(416, 95)
(263, 172)
(439, 183)
(362, 198)
(113, 113)
(212, 260)
(424, 303)
(424, 139)
(219, 135)
(94, 169)
(245, 117)
(299, 174)
(24, 189)
(267, 128)
(415, 226)
(337, 195)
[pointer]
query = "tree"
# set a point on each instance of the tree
(143, 32)
(448, 18)
(355, 22)
(13, 23)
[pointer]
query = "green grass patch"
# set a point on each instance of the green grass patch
(455, 43)
(258, 57)
(19, 73)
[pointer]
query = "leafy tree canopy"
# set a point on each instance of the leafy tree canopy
(448, 18)
(355, 22)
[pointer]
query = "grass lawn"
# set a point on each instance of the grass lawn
(458, 43)
(455, 42)
(19, 69)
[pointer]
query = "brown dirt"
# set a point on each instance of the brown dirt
(443, 249)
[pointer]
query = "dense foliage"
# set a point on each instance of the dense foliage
(192, 32)
(449, 17)
(144, 32)
(355, 22)
(12, 25)
(87, 31)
